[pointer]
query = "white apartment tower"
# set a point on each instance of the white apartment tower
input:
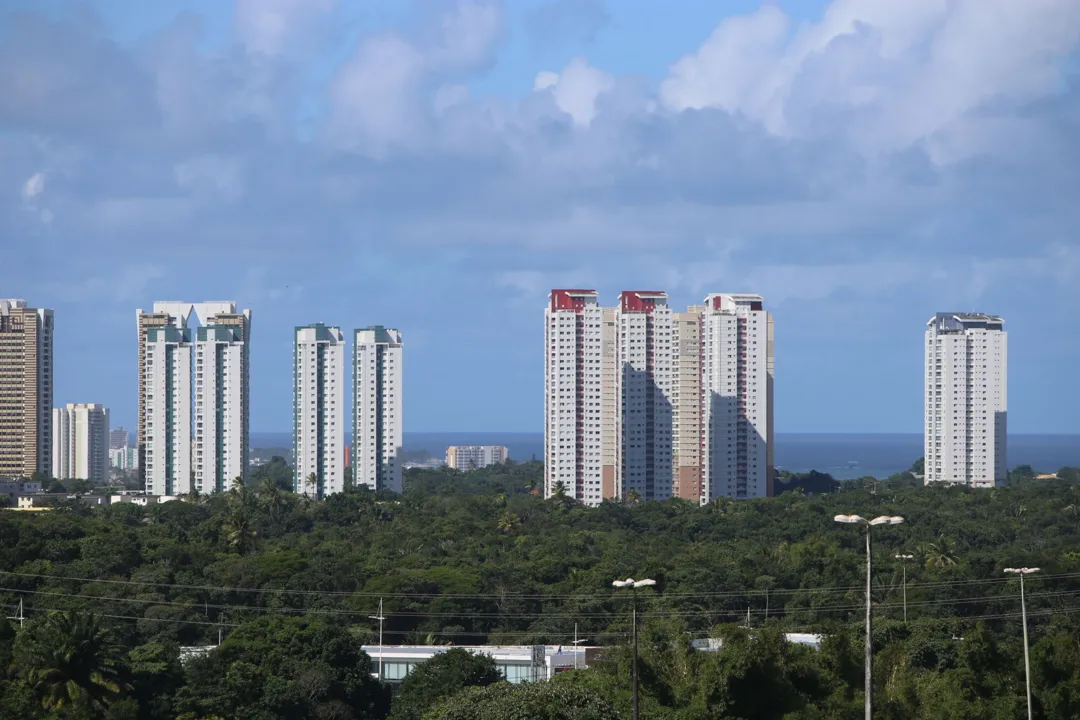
(645, 383)
(736, 411)
(81, 443)
(966, 399)
(474, 457)
(318, 410)
(377, 428)
(575, 332)
(166, 402)
(222, 382)
(193, 397)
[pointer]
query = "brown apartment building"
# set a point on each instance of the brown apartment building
(26, 389)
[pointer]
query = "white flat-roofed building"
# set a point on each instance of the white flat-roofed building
(81, 443)
(166, 402)
(377, 408)
(318, 410)
(966, 399)
(474, 457)
(737, 389)
(644, 382)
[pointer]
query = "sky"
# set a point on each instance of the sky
(439, 165)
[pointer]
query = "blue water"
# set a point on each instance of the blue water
(844, 456)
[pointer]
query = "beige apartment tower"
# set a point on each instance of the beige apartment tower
(26, 389)
(686, 401)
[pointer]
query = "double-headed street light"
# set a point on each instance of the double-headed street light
(869, 524)
(634, 585)
(904, 559)
(1023, 612)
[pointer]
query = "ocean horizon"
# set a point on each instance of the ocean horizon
(843, 455)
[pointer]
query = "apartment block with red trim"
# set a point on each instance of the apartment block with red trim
(645, 403)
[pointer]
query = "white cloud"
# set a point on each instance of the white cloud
(34, 186)
(576, 89)
(266, 26)
(893, 74)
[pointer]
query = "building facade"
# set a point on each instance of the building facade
(686, 403)
(318, 410)
(81, 443)
(222, 391)
(644, 383)
(575, 330)
(119, 438)
(966, 399)
(737, 407)
(26, 389)
(474, 457)
(377, 408)
(194, 397)
(124, 459)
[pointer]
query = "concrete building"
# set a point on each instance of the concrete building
(26, 389)
(119, 438)
(81, 443)
(574, 419)
(318, 409)
(377, 408)
(966, 399)
(222, 400)
(473, 457)
(644, 389)
(686, 403)
(11, 490)
(737, 402)
(124, 458)
(193, 431)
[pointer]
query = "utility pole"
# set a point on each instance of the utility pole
(1023, 612)
(381, 619)
(19, 616)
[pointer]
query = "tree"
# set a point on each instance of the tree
(283, 667)
(553, 700)
(439, 678)
(310, 483)
(940, 553)
(71, 663)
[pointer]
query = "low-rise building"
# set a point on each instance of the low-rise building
(12, 489)
(474, 457)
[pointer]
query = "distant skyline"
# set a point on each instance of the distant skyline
(438, 167)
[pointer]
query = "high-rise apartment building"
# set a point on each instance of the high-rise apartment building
(222, 382)
(119, 438)
(966, 399)
(26, 389)
(377, 409)
(644, 402)
(194, 411)
(644, 381)
(574, 452)
(81, 443)
(318, 410)
(737, 388)
(166, 401)
(474, 457)
(686, 403)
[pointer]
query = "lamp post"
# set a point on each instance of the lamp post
(1023, 612)
(634, 585)
(577, 646)
(381, 620)
(904, 561)
(869, 525)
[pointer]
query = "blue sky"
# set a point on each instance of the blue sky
(439, 165)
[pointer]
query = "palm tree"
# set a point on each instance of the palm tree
(71, 662)
(272, 498)
(239, 533)
(940, 554)
(309, 484)
(633, 496)
(508, 522)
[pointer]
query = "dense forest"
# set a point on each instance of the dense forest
(288, 585)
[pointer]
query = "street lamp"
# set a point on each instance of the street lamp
(1023, 611)
(634, 585)
(869, 524)
(904, 558)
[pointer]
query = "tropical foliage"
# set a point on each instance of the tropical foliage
(288, 585)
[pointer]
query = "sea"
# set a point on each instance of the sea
(844, 456)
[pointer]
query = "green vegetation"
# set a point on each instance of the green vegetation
(111, 594)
